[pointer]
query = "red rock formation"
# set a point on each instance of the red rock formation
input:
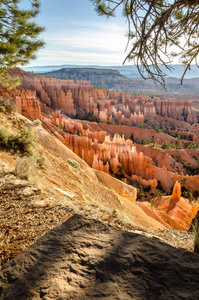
(98, 164)
(153, 213)
(67, 125)
(178, 211)
(152, 182)
(103, 117)
(65, 102)
(18, 104)
(175, 109)
(31, 109)
(63, 94)
(118, 154)
(137, 117)
(176, 194)
(27, 104)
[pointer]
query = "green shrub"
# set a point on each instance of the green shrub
(4, 137)
(37, 122)
(146, 142)
(73, 163)
(140, 195)
(192, 146)
(25, 139)
(20, 142)
(160, 195)
(41, 161)
(183, 181)
(142, 199)
(2, 109)
(187, 195)
(151, 204)
(141, 126)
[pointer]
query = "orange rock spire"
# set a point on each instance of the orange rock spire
(176, 194)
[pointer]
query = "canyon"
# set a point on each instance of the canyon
(125, 136)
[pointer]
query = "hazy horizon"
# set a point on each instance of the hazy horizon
(126, 70)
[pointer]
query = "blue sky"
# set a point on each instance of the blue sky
(75, 34)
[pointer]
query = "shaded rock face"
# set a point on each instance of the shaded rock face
(86, 259)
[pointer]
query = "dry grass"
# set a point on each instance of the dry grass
(7, 106)
(25, 168)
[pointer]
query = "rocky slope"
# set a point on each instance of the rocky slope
(86, 259)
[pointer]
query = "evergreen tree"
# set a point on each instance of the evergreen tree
(18, 34)
(159, 31)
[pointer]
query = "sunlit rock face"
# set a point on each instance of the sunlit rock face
(172, 211)
(176, 194)
(28, 105)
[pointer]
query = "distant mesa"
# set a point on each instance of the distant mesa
(128, 79)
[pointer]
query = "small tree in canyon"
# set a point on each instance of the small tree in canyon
(159, 31)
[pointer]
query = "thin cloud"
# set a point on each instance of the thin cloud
(76, 57)
(91, 42)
